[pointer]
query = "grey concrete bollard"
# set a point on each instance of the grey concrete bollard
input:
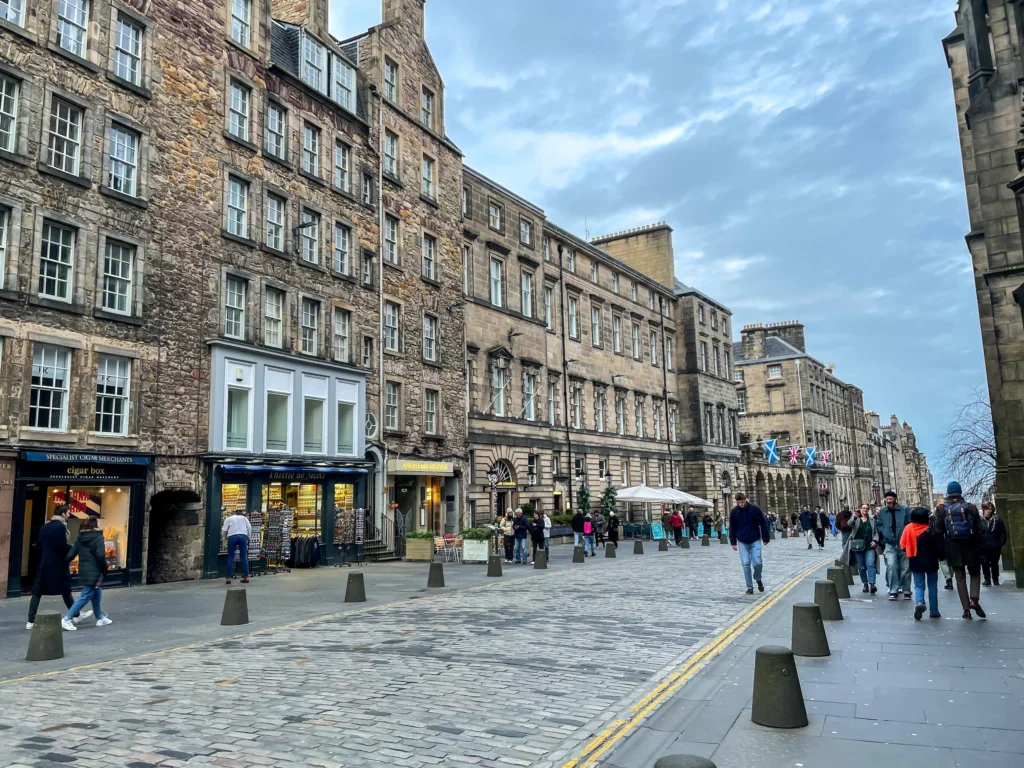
(638, 547)
(686, 542)
(578, 556)
(540, 562)
(849, 574)
(355, 590)
(784, 534)
(683, 761)
(46, 642)
(839, 563)
(705, 541)
(723, 539)
(771, 535)
(435, 577)
(838, 577)
(663, 545)
(494, 566)
(809, 638)
(826, 598)
(236, 608)
(609, 550)
(778, 700)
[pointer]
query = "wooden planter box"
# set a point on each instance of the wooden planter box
(419, 549)
(475, 551)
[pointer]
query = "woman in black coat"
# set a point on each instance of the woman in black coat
(995, 539)
(613, 529)
(52, 574)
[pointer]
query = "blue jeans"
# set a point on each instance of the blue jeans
(866, 561)
(241, 543)
(750, 555)
(897, 569)
(93, 594)
(577, 538)
(933, 593)
(522, 553)
(588, 542)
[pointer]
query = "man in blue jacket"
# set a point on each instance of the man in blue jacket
(807, 524)
(748, 528)
(893, 517)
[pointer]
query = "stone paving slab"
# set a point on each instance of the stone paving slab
(519, 672)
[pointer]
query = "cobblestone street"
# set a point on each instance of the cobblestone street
(517, 672)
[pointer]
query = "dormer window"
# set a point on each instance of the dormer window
(314, 64)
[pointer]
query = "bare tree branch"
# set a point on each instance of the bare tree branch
(969, 450)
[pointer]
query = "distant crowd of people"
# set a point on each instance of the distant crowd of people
(519, 531)
(917, 544)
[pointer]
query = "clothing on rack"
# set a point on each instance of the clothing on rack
(305, 552)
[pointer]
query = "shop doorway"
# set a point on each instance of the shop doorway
(174, 529)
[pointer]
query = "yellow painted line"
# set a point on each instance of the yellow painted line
(608, 738)
(226, 682)
(289, 625)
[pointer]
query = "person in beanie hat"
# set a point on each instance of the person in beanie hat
(995, 540)
(964, 534)
(924, 549)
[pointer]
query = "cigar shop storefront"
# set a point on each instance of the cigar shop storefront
(108, 487)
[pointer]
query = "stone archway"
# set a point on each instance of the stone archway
(773, 498)
(504, 484)
(791, 498)
(176, 537)
(803, 492)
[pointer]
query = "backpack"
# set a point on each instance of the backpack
(587, 528)
(961, 522)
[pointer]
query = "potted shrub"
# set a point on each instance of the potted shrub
(476, 545)
(419, 545)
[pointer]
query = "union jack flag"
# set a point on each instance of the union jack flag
(826, 457)
(794, 455)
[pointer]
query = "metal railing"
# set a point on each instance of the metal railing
(384, 538)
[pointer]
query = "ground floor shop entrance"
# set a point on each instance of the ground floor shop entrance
(424, 495)
(110, 488)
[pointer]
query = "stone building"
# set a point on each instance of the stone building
(788, 396)
(984, 53)
(191, 301)
(912, 478)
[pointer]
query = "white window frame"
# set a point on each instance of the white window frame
(530, 396)
(635, 339)
(309, 326)
(551, 403)
(273, 317)
(525, 231)
(123, 169)
(570, 260)
(64, 142)
(391, 153)
(429, 187)
(391, 239)
(342, 248)
(391, 80)
(392, 405)
(306, 448)
(704, 356)
(341, 326)
(599, 412)
(574, 320)
(775, 371)
(236, 296)
(632, 290)
(277, 130)
(309, 236)
(57, 362)
(57, 261)
(278, 392)
(275, 220)
(430, 338)
(617, 334)
(314, 63)
(10, 94)
(427, 107)
(640, 418)
(238, 206)
(344, 77)
(245, 384)
(392, 327)
(494, 216)
(497, 299)
(429, 265)
(669, 341)
(112, 404)
(499, 383)
(526, 293)
(466, 256)
(595, 325)
(654, 347)
(239, 109)
(6, 215)
(615, 282)
(13, 11)
(118, 274)
(73, 26)
(342, 164)
(741, 402)
(549, 296)
(431, 415)
(311, 149)
(241, 22)
(620, 415)
(128, 35)
(574, 405)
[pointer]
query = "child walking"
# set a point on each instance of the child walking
(924, 548)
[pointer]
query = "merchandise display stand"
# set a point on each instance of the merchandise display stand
(350, 536)
(277, 539)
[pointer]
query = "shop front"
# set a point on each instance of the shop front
(298, 513)
(108, 487)
(425, 495)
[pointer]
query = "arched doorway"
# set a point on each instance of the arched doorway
(504, 493)
(176, 537)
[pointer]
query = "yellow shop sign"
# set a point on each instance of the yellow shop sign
(420, 467)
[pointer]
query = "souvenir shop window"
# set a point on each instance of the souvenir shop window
(304, 500)
(110, 505)
(234, 497)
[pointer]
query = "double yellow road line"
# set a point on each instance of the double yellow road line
(601, 744)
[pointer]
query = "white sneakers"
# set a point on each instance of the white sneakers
(70, 625)
(82, 617)
(104, 622)
(29, 624)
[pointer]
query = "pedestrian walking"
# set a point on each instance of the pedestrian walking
(53, 577)
(613, 528)
(588, 534)
(537, 533)
(964, 538)
(676, 521)
(547, 537)
(600, 526)
(793, 520)
(924, 548)
(748, 529)
(521, 530)
(807, 524)
(707, 522)
(718, 523)
(844, 520)
(577, 528)
(995, 540)
(238, 530)
(691, 523)
(821, 526)
(933, 521)
(507, 535)
(893, 517)
(92, 567)
(861, 548)
(832, 524)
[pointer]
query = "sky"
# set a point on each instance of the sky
(805, 153)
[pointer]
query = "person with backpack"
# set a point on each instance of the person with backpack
(861, 548)
(964, 538)
(676, 521)
(588, 535)
(893, 517)
(995, 540)
(924, 548)
(947, 572)
(92, 567)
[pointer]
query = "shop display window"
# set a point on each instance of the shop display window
(305, 501)
(234, 497)
(108, 503)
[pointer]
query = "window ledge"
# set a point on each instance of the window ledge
(391, 265)
(239, 239)
(241, 48)
(73, 57)
(61, 306)
(397, 432)
(310, 265)
(9, 295)
(114, 441)
(274, 252)
(431, 363)
(315, 179)
(393, 180)
(430, 201)
(393, 353)
(437, 438)
(138, 202)
(103, 314)
(240, 141)
(45, 436)
(430, 281)
(342, 276)
(79, 181)
(13, 157)
(279, 160)
(20, 31)
(139, 90)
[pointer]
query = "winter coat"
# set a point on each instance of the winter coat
(506, 526)
(806, 520)
(747, 524)
(718, 523)
(844, 520)
(599, 523)
(961, 553)
(930, 549)
(691, 519)
(855, 524)
(892, 522)
(520, 526)
(822, 522)
(52, 575)
(537, 529)
(613, 523)
(995, 532)
(92, 557)
(676, 521)
(577, 523)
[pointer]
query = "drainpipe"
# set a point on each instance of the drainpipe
(377, 91)
(664, 391)
(565, 368)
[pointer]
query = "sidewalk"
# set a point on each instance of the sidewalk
(155, 618)
(940, 693)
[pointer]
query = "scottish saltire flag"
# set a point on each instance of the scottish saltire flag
(794, 455)
(810, 456)
(771, 451)
(826, 457)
